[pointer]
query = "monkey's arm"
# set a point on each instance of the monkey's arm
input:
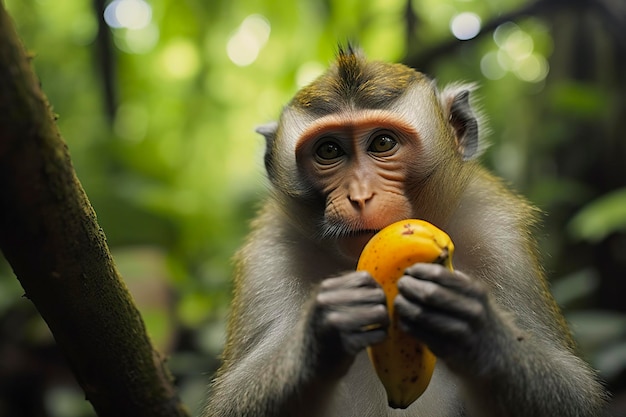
(508, 365)
(509, 340)
(291, 337)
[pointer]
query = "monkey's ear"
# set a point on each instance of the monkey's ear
(268, 130)
(463, 119)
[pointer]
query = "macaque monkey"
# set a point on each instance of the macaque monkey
(363, 146)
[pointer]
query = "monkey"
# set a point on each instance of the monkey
(364, 145)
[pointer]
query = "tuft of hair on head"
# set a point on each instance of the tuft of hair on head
(355, 82)
(350, 62)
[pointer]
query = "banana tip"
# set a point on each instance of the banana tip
(398, 405)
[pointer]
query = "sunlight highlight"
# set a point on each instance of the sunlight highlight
(180, 59)
(128, 14)
(246, 43)
(465, 26)
(515, 54)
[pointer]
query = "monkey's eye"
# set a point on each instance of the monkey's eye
(328, 151)
(382, 143)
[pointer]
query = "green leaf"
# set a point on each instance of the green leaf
(600, 218)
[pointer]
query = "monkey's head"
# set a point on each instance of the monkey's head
(367, 144)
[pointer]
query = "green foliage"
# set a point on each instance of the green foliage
(580, 100)
(601, 217)
(176, 174)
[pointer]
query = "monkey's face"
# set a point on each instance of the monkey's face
(357, 162)
(374, 143)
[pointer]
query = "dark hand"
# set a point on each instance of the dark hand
(451, 313)
(350, 314)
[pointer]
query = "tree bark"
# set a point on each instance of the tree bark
(50, 236)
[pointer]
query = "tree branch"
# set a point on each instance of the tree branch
(424, 58)
(50, 236)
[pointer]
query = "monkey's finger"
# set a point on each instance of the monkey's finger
(358, 319)
(421, 321)
(355, 342)
(349, 297)
(431, 296)
(456, 280)
(440, 331)
(355, 279)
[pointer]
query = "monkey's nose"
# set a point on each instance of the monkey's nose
(360, 200)
(360, 191)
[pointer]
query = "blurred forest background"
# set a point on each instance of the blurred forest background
(158, 100)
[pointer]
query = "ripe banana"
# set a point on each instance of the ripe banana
(404, 365)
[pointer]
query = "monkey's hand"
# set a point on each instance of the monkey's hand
(453, 315)
(349, 314)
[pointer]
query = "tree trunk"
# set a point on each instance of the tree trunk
(50, 236)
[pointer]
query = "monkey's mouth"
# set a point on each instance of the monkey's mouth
(351, 244)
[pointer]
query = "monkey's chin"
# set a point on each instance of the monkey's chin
(352, 246)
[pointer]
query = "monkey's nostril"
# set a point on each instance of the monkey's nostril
(360, 201)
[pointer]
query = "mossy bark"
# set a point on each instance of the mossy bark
(50, 235)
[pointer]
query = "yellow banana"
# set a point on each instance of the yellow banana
(404, 365)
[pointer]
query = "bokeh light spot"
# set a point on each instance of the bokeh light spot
(516, 54)
(128, 14)
(519, 45)
(490, 67)
(465, 26)
(180, 59)
(244, 46)
(502, 32)
(533, 68)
